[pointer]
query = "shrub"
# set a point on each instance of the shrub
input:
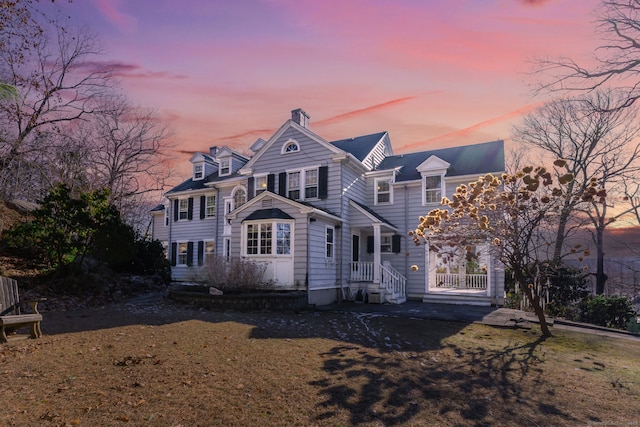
(610, 311)
(568, 287)
(236, 274)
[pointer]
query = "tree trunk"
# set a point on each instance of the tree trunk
(534, 300)
(601, 278)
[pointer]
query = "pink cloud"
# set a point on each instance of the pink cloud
(110, 10)
(473, 128)
(366, 110)
(124, 70)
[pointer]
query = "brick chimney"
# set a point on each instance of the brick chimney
(300, 117)
(213, 151)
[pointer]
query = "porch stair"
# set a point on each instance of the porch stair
(392, 288)
(458, 299)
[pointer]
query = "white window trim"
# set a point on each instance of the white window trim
(204, 249)
(255, 181)
(220, 172)
(303, 181)
(166, 215)
(186, 218)
(226, 248)
(375, 191)
(274, 238)
(195, 176)
(333, 243)
(186, 254)
(423, 188)
(287, 143)
(233, 196)
(206, 206)
(384, 236)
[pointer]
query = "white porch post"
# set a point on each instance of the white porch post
(376, 253)
(427, 267)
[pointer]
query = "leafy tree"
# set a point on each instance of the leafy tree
(63, 229)
(516, 213)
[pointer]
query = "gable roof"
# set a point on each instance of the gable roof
(374, 216)
(359, 146)
(474, 159)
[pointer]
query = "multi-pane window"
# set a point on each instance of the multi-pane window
(265, 239)
(433, 189)
(239, 198)
(291, 147)
(225, 166)
(294, 185)
(182, 253)
(383, 191)
(198, 172)
(385, 244)
(183, 209)
(261, 184)
(329, 242)
(311, 184)
(252, 239)
(283, 239)
(260, 239)
(210, 206)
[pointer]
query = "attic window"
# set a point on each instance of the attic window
(198, 171)
(290, 146)
(225, 166)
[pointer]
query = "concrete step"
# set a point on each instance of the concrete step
(458, 299)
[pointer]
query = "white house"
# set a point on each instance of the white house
(328, 218)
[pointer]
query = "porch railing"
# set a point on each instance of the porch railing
(392, 280)
(457, 281)
(361, 271)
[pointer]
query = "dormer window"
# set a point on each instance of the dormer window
(432, 189)
(225, 166)
(198, 172)
(291, 146)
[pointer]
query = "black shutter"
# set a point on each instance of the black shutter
(203, 202)
(190, 211)
(174, 253)
(189, 253)
(200, 252)
(323, 182)
(271, 183)
(176, 204)
(251, 185)
(395, 243)
(370, 248)
(282, 184)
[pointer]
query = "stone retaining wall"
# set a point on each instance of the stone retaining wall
(258, 301)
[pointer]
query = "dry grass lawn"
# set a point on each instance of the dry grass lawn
(157, 364)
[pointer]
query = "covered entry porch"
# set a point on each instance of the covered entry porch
(372, 238)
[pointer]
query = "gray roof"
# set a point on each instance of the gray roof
(465, 160)
(190, 184)
(359, 146)
(158, 208)
(273, 213)
(373, 213)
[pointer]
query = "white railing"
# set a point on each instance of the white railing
(392, 281)
(457, 281)
(361, 271)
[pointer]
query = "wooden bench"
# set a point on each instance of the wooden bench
(11, 318)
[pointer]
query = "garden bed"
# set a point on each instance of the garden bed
(258, 300)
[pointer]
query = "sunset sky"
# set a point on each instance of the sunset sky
(433, 73)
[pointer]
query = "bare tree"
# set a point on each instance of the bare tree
(600, 144)
(617, 59)
(56, 84)
(129, 153)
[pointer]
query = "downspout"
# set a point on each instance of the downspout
(308, 259)
(170, 247)
(406, 226)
